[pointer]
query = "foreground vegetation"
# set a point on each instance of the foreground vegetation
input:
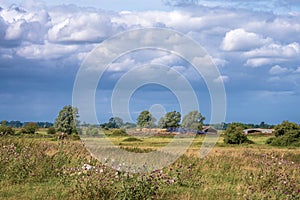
(46, 168)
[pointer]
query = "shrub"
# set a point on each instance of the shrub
(286, 134)
(6, 130)
(234, 135)
(285, 128)
(29, 128)
(51, 131)
(132, 139)
(92, 131)
(119, 132)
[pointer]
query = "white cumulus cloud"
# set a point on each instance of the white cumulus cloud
(276, 50)
(275, 70)
(241, 40)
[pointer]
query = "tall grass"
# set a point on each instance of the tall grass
(65, 170)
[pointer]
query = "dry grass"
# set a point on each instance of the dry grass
(229, 172)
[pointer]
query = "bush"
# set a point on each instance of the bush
(6, 130)
(285, 127)
(234, 135)
(286, 134)
(132, 139)
(119, 132)
(51, 131)
(29, 128)
(92, 131)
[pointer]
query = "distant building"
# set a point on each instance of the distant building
(209, 129)
(258, 130)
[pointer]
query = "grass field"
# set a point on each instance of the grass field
(41, 167)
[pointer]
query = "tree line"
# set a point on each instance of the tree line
(19, 124)
(193, 120)
(287, 133)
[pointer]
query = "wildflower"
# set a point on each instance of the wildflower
(87, 167)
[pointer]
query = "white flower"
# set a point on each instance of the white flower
(87, 167)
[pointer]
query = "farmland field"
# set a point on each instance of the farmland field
(42, 167)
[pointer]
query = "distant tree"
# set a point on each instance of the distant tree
(193, 120)
(29, 128)
(92, 131)
(286, 134)
(44, 124)
(145, 120)
(219, 126)
(171, 120)
(262, 125)
(16, 124)
(128, 125)
(67, 120)
(234, 134)
(161, 123)
(115, 122)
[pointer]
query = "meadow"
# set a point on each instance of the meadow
(42, 167)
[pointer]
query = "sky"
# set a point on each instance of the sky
(254, 44)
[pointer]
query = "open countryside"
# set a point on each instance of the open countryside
(149, 100)
(53, 163)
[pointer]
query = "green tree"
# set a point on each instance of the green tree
(161, 123)
(193, 120)
(145, 120)
(234, 134)
(115, 122)
(67, 120)
(171, 120)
